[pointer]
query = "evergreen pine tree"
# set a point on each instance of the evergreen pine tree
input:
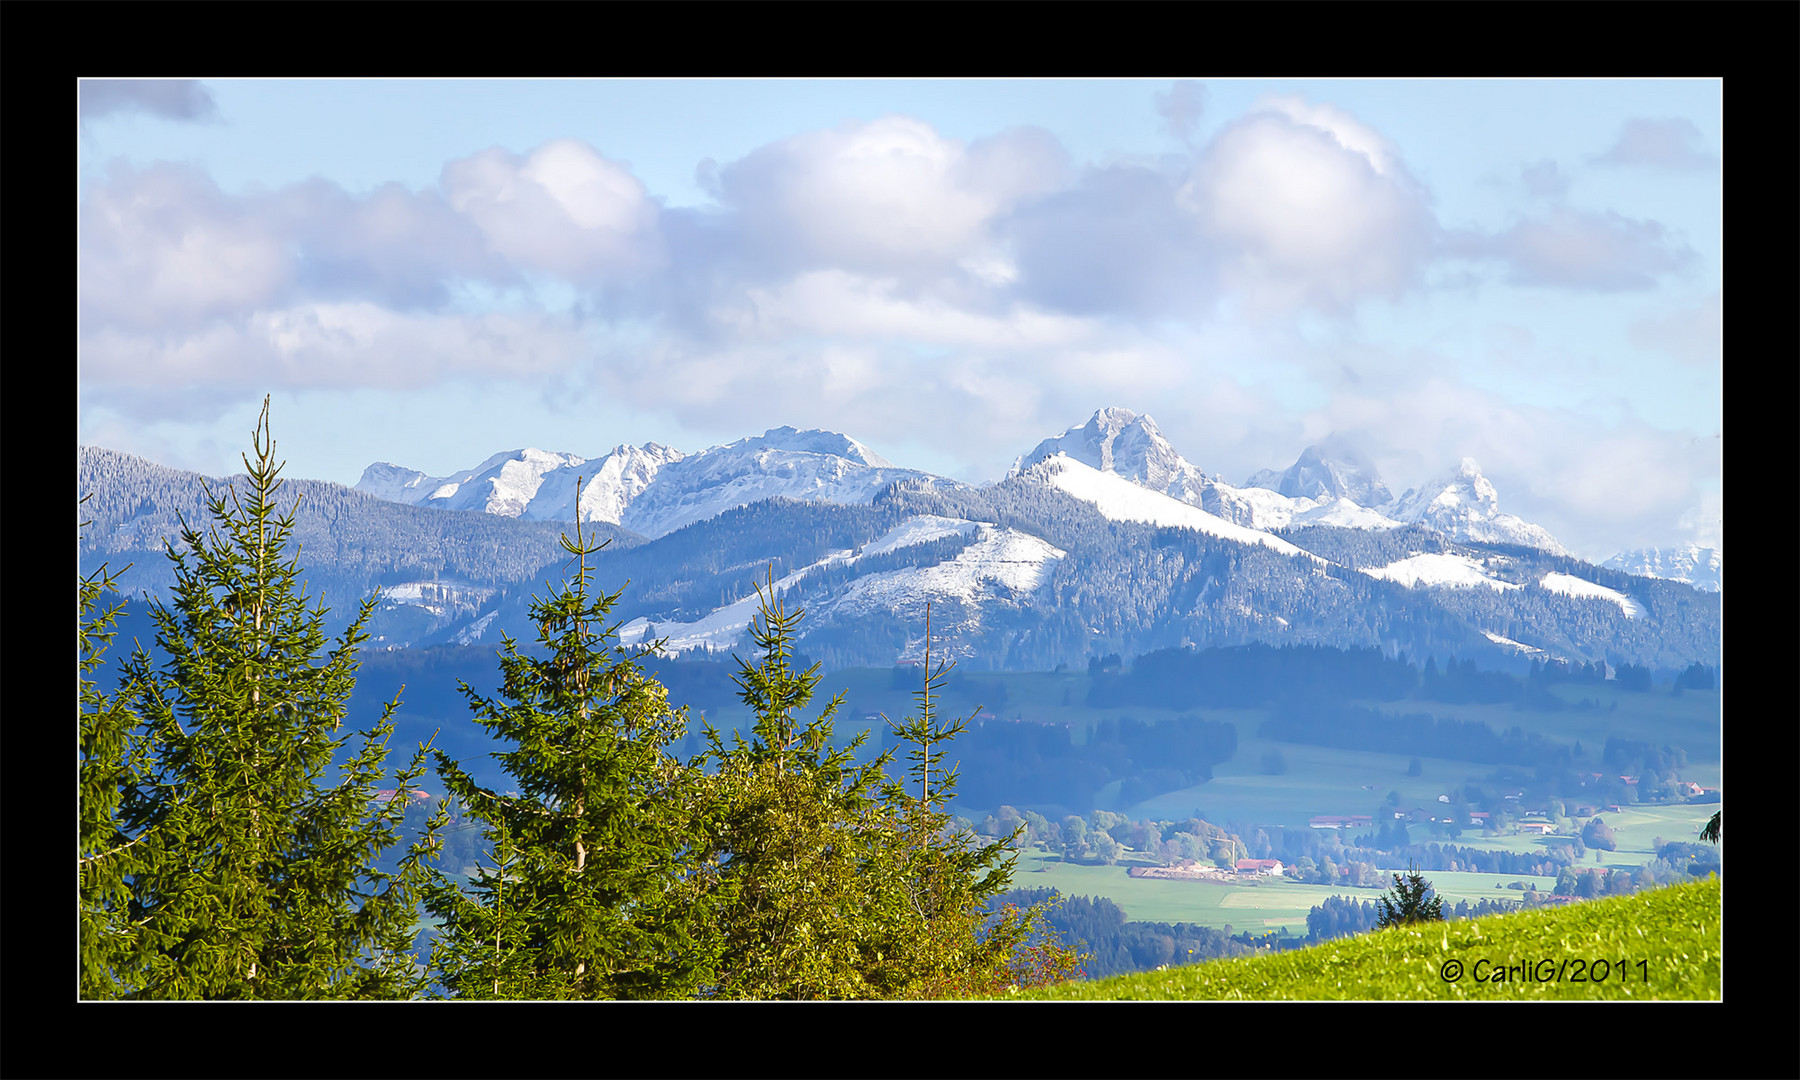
(596, 888)
(105, 725)
(250, 876)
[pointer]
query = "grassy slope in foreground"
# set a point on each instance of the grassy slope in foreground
(1673, 931)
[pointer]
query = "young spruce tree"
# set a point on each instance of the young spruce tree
(1412, 902)
(839, 884)
(947, 943)
(596, 888)
(808, 863)
(250, 875)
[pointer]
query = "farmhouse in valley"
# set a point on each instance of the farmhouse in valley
(1259, 866)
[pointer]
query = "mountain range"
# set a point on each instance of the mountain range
(1100, 539)
(654, 489)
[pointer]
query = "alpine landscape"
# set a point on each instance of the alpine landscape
(844, 624)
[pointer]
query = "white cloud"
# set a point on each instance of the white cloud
(1602, 252)
(1589, 483)
(887, 195)
(1689, 334)
(165, 247)
(1666, 143)
(171, 99)
(835, 303)
(317, 345)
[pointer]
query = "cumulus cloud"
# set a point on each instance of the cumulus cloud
(1669, 143)
(1309, 208)
(561, 209)
(884, 279)
(171, 99)
(1600, 252)
(886, 196)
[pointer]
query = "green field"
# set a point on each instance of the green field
(1319, 780)
(1663, 944)
(1268, 904)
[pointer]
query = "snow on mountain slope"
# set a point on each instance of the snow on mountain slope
(608, 486)
(1121, 500)
(1344, 514)
(1129, 445)
(506, 487)
(1510, 643)
(815, 466)
(920, 529)
(394, 483)
(1569, 585)
(1015, 561)
(1430, 570)
(720, 629)
(1002, 557)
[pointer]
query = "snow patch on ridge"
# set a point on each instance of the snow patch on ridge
(1432, 570)
(1570, 585)
(1013, 560)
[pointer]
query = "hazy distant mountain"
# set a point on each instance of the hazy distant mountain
(654, 489)
(1326, 471)
(432, 569)
(1464, 505)
(1129, 445)
(1701, 567)
(504, 484)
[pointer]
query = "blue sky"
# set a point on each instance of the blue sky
(428, 272)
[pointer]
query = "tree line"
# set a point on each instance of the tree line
(227, 853)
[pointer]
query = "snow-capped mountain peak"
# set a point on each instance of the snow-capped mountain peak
(813, 441)
(1120, 442)
(607, 486)
(504, 484)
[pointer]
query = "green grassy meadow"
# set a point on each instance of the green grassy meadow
(1663, 944)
